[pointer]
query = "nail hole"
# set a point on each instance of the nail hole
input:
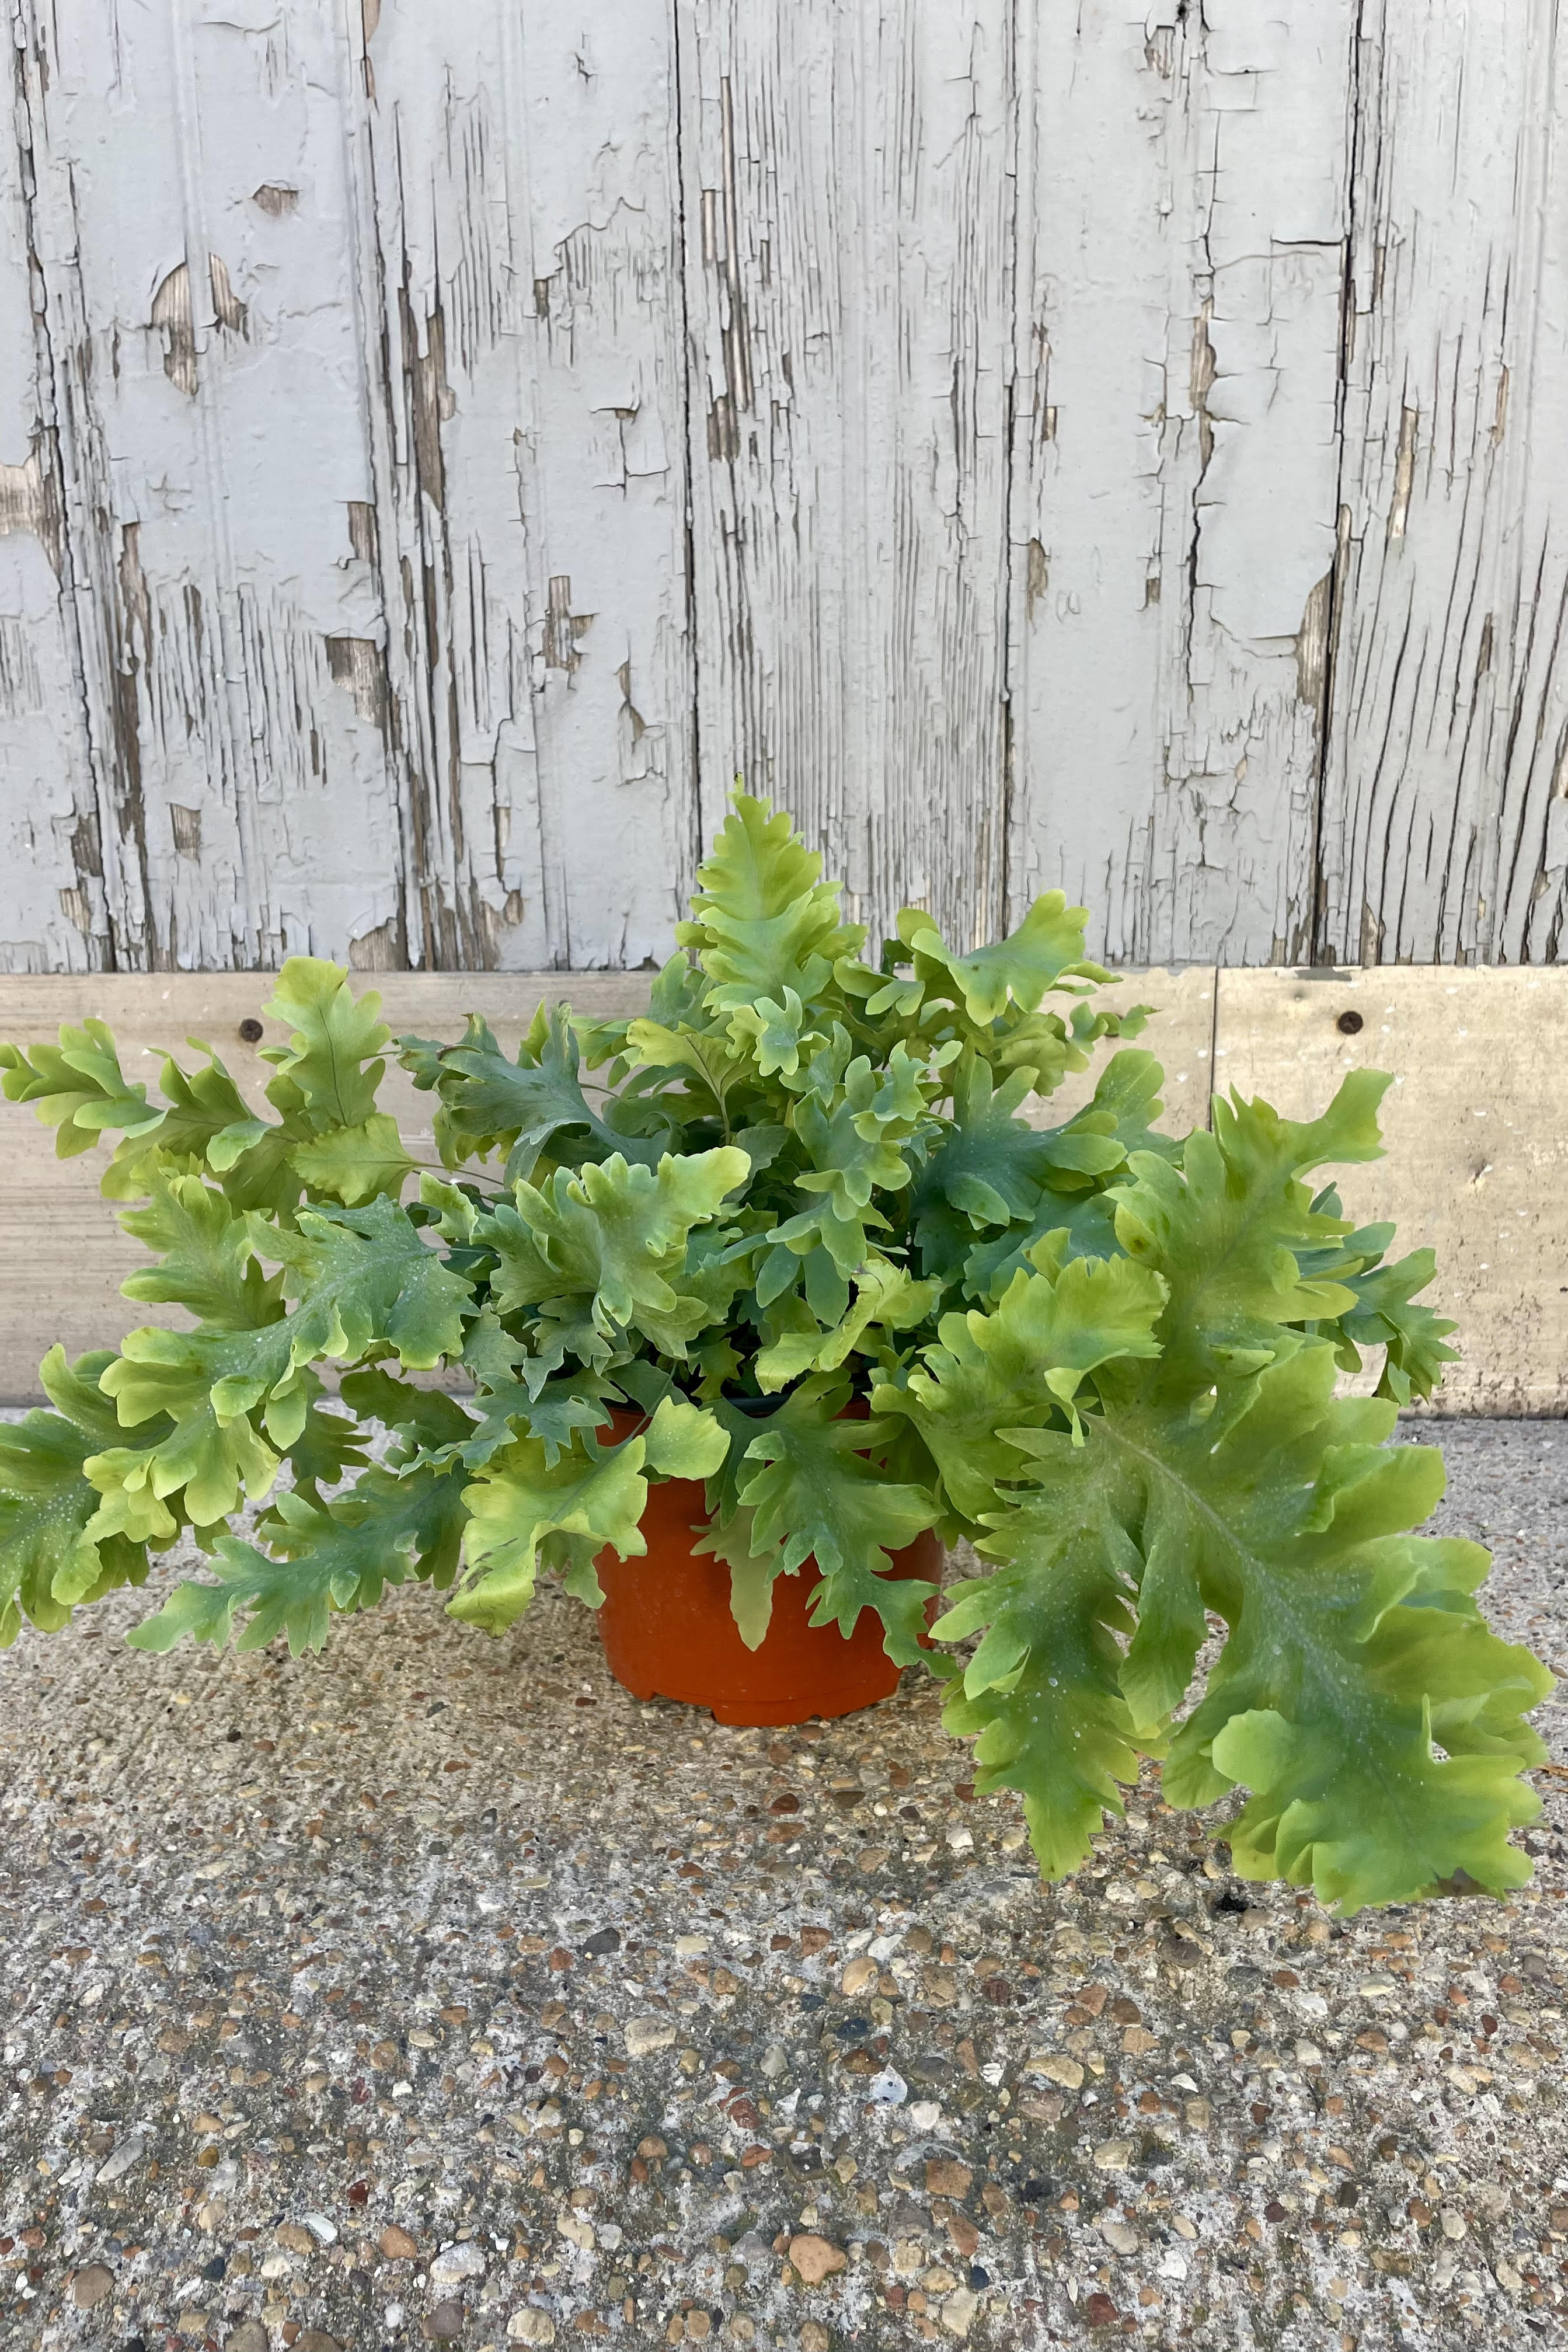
(1350, 1024)
(250, 1029)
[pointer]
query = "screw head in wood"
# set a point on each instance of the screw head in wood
(1350, 1024)
(251, 1031)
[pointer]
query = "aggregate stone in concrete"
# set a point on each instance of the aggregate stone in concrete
(436, 1991)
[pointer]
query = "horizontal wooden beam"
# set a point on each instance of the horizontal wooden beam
(1477, 1145)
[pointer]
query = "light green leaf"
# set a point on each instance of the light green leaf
(763, 921)
(682, 1440)
(203, 1104)
(794, 1337)
(521, 1500)
(74, 1391)
(321, 1560)
(1282, 1510)
(357, 1163)
(1224, 1229)
(1046, 949)
(886, 1297)
(821, 1492)
(1386, 1314)
(210, 1462)
(48, 1561)
(609, 1244)
(333, 1060)
(1041, 1696)
(753, 1568)
(360, 1279)
(1052, 1044)
(78, 1088)
(706, 1055)
(856, 1142)
(774, 1034)
(208, 1263)
(1018, 1365)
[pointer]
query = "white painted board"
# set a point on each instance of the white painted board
(1116, 447)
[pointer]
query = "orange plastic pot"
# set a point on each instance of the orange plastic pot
(669, 1632)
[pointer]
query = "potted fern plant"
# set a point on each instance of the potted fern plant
(750, 1322)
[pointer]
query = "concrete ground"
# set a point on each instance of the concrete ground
(437, 1990)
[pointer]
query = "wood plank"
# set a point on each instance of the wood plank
(62, 1255)
(52, 907)
(1478, 1157)
(192, 230)
(848, 205)
(1180, 1035)
(518, 256)
(1477, 1165)
(1445, 835)
(1181, 204)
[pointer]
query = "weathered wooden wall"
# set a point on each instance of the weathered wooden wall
(1117, 445)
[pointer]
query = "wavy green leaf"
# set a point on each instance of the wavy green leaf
(1046, 949)
(359, 1280)
(321, 1560)
(1225, 1228)
(820, 1493)
(1023, 1365)
(208, 1263)
(48, 1560)
(357, 1163)
(523, 1499)
(490, 1103)
(78, 1088)
(682, 1440)
(1386, 1314)
(1041, 1698)
(764, 923)
(607, 1246)
(332, 1063)
(753, 1566)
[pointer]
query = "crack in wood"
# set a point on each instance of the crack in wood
(1115, 454)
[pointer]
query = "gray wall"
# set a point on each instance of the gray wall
(1117, 445)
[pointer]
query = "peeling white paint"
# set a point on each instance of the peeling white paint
(1115, 448)
(1449, 726)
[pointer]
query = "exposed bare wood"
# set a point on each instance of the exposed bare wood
(1477, 1159)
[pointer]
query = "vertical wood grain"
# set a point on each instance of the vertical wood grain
(1445, 828)
(519, 272)
(1182, 193)
(52, 914)
(846, 174)
(190, 226)
(1115, 448)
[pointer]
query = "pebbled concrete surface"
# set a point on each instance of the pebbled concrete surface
(436, 1991)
